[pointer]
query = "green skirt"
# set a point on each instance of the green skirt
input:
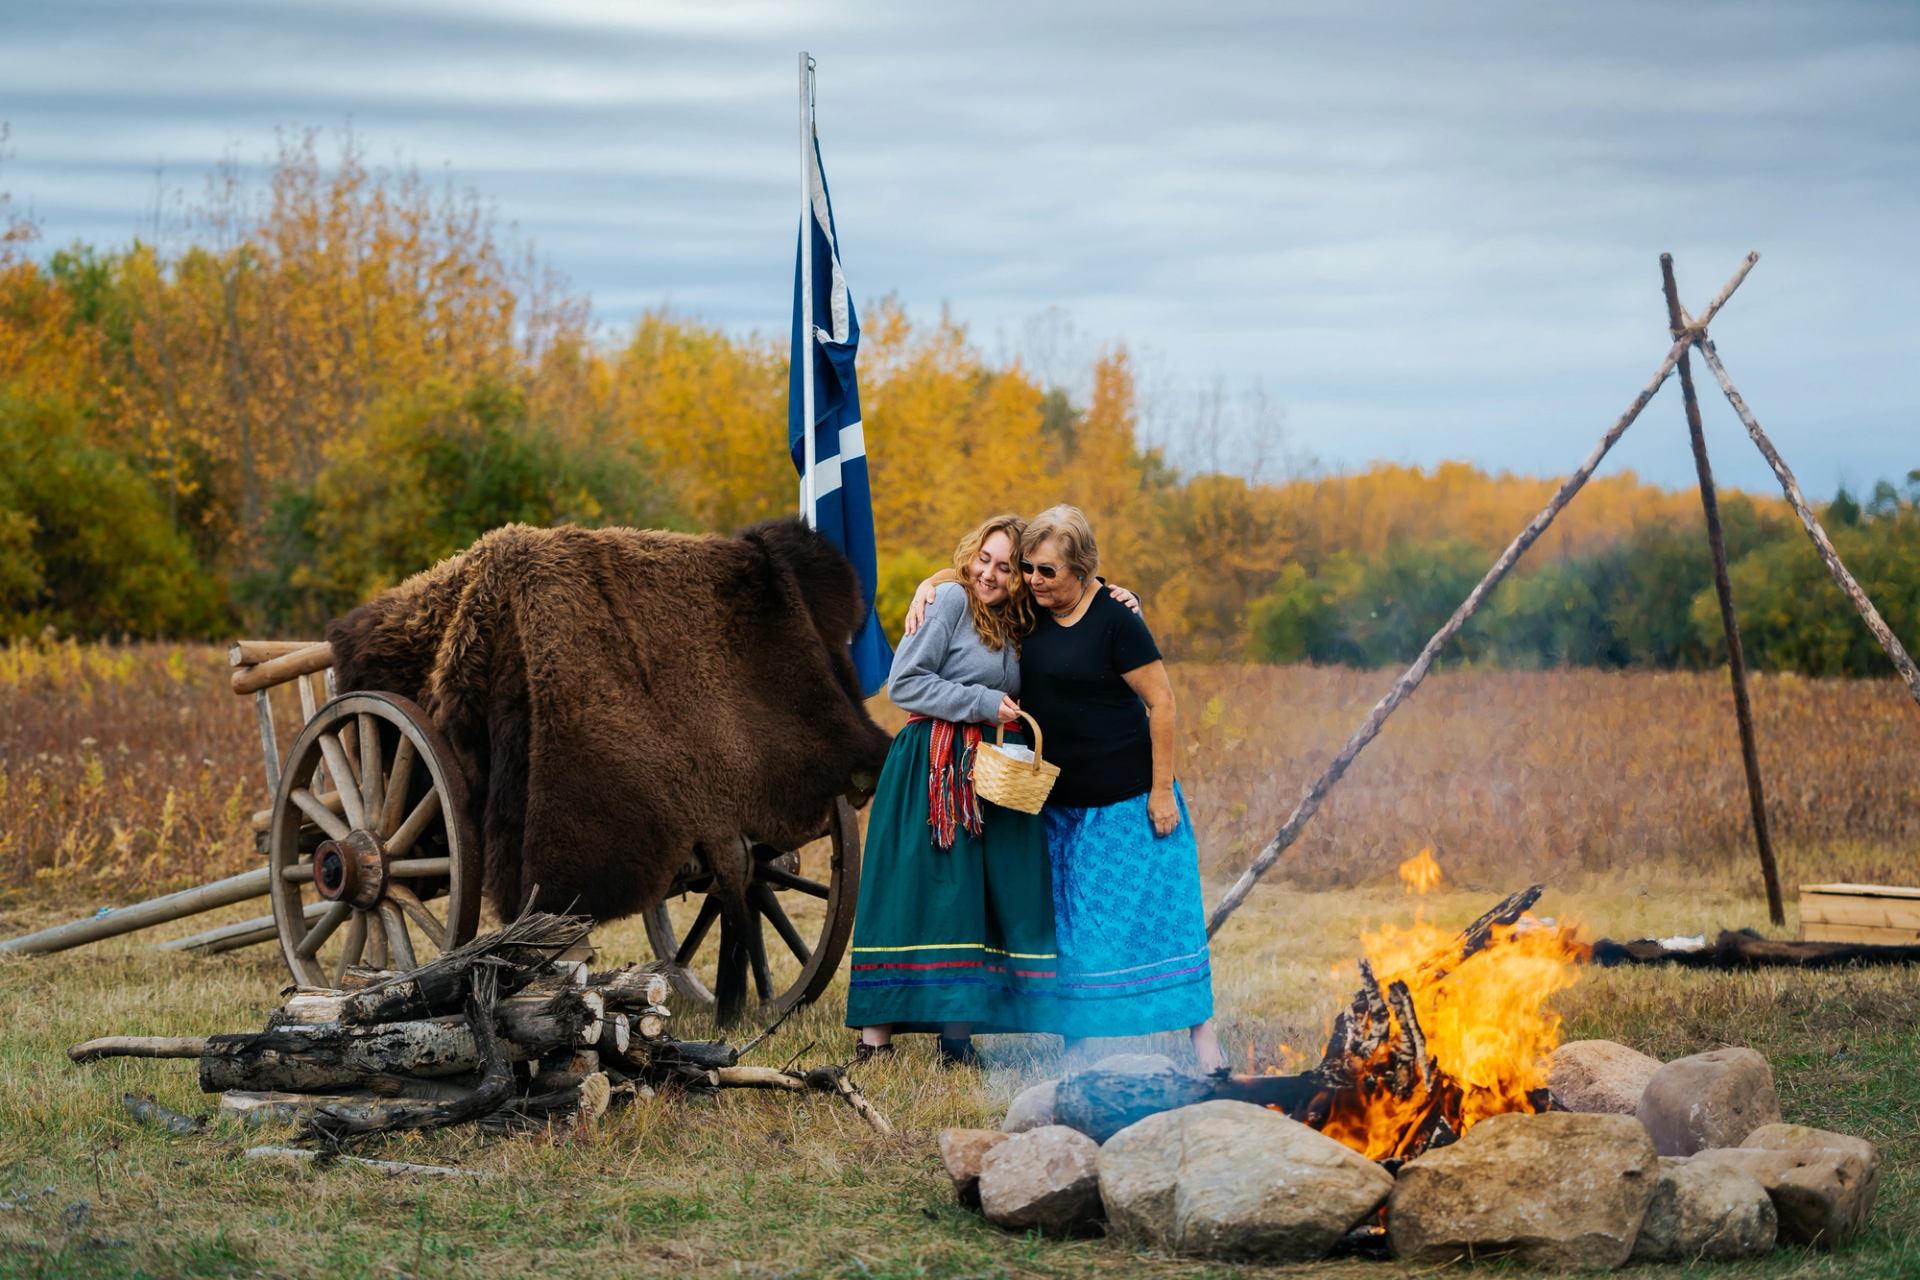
(950, 935)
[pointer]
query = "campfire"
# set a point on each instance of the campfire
(1445, 1030)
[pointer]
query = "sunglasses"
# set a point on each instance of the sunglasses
(1047, 571)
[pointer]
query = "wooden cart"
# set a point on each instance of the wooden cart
(371, 857)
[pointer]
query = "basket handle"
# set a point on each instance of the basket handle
(1000, 738)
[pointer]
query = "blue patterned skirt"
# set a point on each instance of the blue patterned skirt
(1131, 930)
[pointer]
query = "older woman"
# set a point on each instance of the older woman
(954, 930)
(1128, 917)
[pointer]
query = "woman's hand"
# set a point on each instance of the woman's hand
(1162, 808)
(1009, 709)
(917, 611)
(1124, 596)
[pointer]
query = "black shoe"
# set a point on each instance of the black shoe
(959, 1053)
(864, 1052)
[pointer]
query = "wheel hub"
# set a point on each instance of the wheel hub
(353, 870)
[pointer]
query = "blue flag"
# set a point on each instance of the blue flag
(842, 502)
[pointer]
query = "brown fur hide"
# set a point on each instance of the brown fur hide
(620, 699)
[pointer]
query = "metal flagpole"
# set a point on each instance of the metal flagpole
(807, 511)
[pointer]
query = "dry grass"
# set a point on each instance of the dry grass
(1566, 776)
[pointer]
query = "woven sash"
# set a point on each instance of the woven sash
(951, 802)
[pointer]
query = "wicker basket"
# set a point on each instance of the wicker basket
(1011, 783)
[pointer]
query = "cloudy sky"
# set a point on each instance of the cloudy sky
(1413, 231)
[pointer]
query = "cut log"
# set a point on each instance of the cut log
(308, 1059)
(496, 1082)
(632, 988)
(532, 1018)
(254, 1108)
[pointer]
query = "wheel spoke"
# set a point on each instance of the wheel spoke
(376, 939)
(409, 902)
(372, 797)
(317, 936)
(416, 868)
(788, 880)
(769, 904)
(410, 830)
(399, 943)
(298, 873)
(355, 944)
(756, 939)
(397, 783)
(697, 932)
(344, 782)
(323, 817)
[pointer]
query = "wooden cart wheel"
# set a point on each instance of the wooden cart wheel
(372, 854)
(810, 920)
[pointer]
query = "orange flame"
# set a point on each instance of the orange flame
(1420, 873)
(1488, 1030)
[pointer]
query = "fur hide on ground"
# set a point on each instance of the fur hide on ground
(619, 700)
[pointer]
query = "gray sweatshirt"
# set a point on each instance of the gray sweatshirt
(944, 670)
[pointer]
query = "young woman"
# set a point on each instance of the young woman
(1129, 922)
(954, 930)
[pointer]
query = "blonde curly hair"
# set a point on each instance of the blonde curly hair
(1008, 623)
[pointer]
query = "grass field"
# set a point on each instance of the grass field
(124, 771)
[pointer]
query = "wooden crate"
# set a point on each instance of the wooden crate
(1871, 913)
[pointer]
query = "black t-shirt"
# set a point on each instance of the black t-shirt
(1094, 725)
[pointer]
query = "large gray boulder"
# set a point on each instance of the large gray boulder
(1712, 1099)
(1118, 1090)
(1599, 1077)
(1555, 1190)
(1231, 1180)
(1044, 1178)
(1031, 1108)
(1824, 1194)
(1706, 1213)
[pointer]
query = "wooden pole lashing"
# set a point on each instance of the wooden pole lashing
(1723, 588)
(1410, 679)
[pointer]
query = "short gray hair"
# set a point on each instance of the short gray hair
(1070, 530)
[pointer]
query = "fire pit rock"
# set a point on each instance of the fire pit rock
(1555, 1190)
(1712, 1099)
(1119, 1090)
(1599, 1077)
(1044, 1178)
(1706, 1212)
(1031, 1108)
(1823, 1184)
(962, 1150)
(1232, 1180)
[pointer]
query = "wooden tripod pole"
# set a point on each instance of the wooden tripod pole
(1902, 661)
(1410, 678)
(1723, 587)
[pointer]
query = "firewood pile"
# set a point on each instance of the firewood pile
(497, 1033)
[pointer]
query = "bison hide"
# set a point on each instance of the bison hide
(620, 700)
